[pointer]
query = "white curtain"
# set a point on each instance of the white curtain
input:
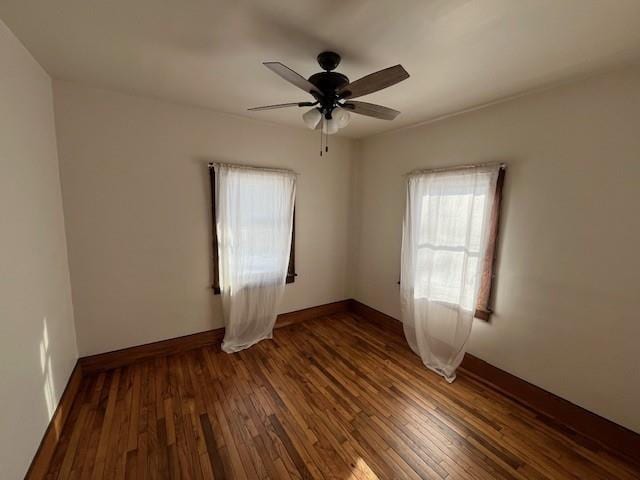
(445, 231)
(254, 220)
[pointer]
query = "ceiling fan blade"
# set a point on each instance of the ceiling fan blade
(371, 110)
(374, 82)
(293, 77)
(282, 105)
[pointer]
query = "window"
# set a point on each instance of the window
(449, 211)
(260, 224)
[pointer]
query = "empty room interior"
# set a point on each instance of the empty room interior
(298, 239)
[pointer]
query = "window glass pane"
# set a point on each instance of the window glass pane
(258, 222)
(253, 215)
(449, 227)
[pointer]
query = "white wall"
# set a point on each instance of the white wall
(568, 294)
(138, 210)
(37, 338)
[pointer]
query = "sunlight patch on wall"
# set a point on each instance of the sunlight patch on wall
(47, 374)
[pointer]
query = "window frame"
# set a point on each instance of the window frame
(291, 269)
(486, 291)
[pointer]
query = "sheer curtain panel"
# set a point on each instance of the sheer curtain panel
(445, 234)
(254, 220)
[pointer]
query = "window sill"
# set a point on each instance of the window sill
(484, 315)
(289, 279)
(480, 314)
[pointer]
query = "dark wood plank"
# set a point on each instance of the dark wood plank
(212, 449)
(290, 447)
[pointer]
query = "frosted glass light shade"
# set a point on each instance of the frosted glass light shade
(341, 116)
(330, 126)
(312, 118)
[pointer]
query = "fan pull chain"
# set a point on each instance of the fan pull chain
(326, 143)
(321, 140)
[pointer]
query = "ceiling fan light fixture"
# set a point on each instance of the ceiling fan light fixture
(341, 116)
(312, 118)
(330, 126)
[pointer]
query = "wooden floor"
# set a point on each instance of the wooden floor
(329, 398)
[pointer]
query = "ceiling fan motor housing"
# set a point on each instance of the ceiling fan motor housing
(328, 82)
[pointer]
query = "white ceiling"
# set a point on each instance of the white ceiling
(460, 53)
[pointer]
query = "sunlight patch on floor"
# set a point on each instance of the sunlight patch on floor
(361, 470)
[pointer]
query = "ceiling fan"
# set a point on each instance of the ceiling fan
(333, 93)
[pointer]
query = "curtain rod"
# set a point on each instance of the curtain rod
(502, 166)
(250, 167)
